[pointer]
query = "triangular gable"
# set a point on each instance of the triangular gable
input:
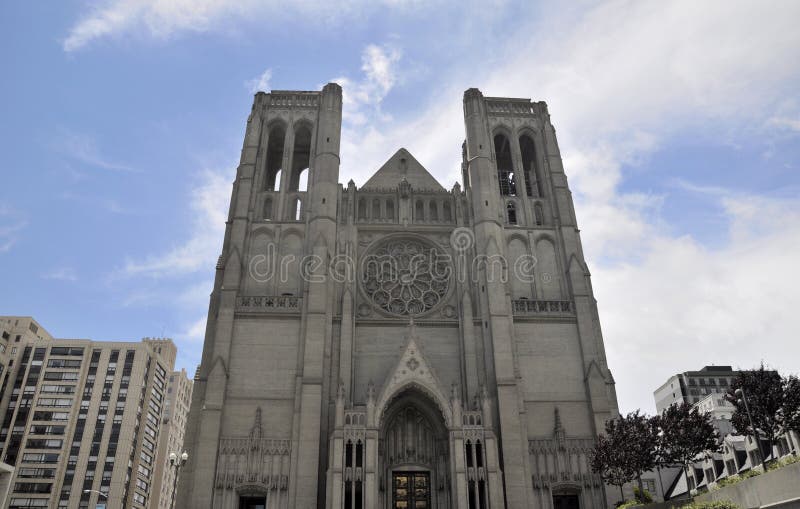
(594, 371)
(576, 265)
(402, 165)
(413, 370)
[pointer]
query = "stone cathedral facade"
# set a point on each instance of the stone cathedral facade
(399, 344)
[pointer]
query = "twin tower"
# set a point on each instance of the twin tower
(399, 344)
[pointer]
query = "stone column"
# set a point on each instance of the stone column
(487, 206)
(371, 466)
(458, 466)
(336, 460)
(321, 231)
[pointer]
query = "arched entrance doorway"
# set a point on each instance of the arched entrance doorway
(413, 454)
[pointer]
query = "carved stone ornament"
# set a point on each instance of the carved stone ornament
(406, 276)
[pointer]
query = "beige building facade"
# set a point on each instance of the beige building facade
(81, 421)
(398, 344)
(173, 426)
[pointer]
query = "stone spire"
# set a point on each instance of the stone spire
(558, 431)
(255, 431)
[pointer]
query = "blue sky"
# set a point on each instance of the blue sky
(679, 124)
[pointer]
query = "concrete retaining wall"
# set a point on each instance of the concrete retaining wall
(779, 489)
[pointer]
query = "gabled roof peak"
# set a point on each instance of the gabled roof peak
(402, 166)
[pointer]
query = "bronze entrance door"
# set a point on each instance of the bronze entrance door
(566, 501)
(411, 490)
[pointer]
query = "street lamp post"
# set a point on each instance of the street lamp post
(742, 399)
(176, 462)
(98, 492)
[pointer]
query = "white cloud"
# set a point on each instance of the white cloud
(686, 305)
(209, 203)
(83, 148)
(619, 86)
(11, 224)
(106, 203)
(792, 124)
(61, 274)
(362, 98)
(194, 332)
(261, 83)
(162, 19)
(620, 80)
(378, 63)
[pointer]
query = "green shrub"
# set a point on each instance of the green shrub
(737, 478)
(644, 498)
(750, 473)
(789, 460)
(629, 503)
(720, 504)
(729, 481)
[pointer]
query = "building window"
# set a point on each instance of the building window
(298, 209)
(447, 211)
(268, 208)
(433, 210)
(300, 159)
(272, 182)
(505, 168)
(362, 209)
(389, 209)
(530, 168)
(511, 210)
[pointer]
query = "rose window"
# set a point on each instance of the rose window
(405, 276)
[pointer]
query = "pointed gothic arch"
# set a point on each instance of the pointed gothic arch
(530, 167)
(376, 209)
(275, 142)
(268, 208)
(414, 451)
(433, 208)
(511, 212)
(505, 165)
(301, 154)
(419, 211)
(362, 209)
(538, 213)
(390, 210)
(447, 211)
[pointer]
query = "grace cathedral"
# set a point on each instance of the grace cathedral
(398, 344)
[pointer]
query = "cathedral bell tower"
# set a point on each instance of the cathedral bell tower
(523, 213)
(269, 320)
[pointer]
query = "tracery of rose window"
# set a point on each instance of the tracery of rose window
(405, 276)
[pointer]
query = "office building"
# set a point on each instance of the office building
(81, 421)
(173, 425)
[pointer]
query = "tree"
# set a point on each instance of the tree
(607, 463)
(627, 450)
(791, 404)
(762, 393)
(684, 434)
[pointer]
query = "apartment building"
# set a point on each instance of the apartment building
(173, 425)
(81, 420)
(14, 331)
(692, 386)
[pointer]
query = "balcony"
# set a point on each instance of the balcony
(269, 304)
(525, 307)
